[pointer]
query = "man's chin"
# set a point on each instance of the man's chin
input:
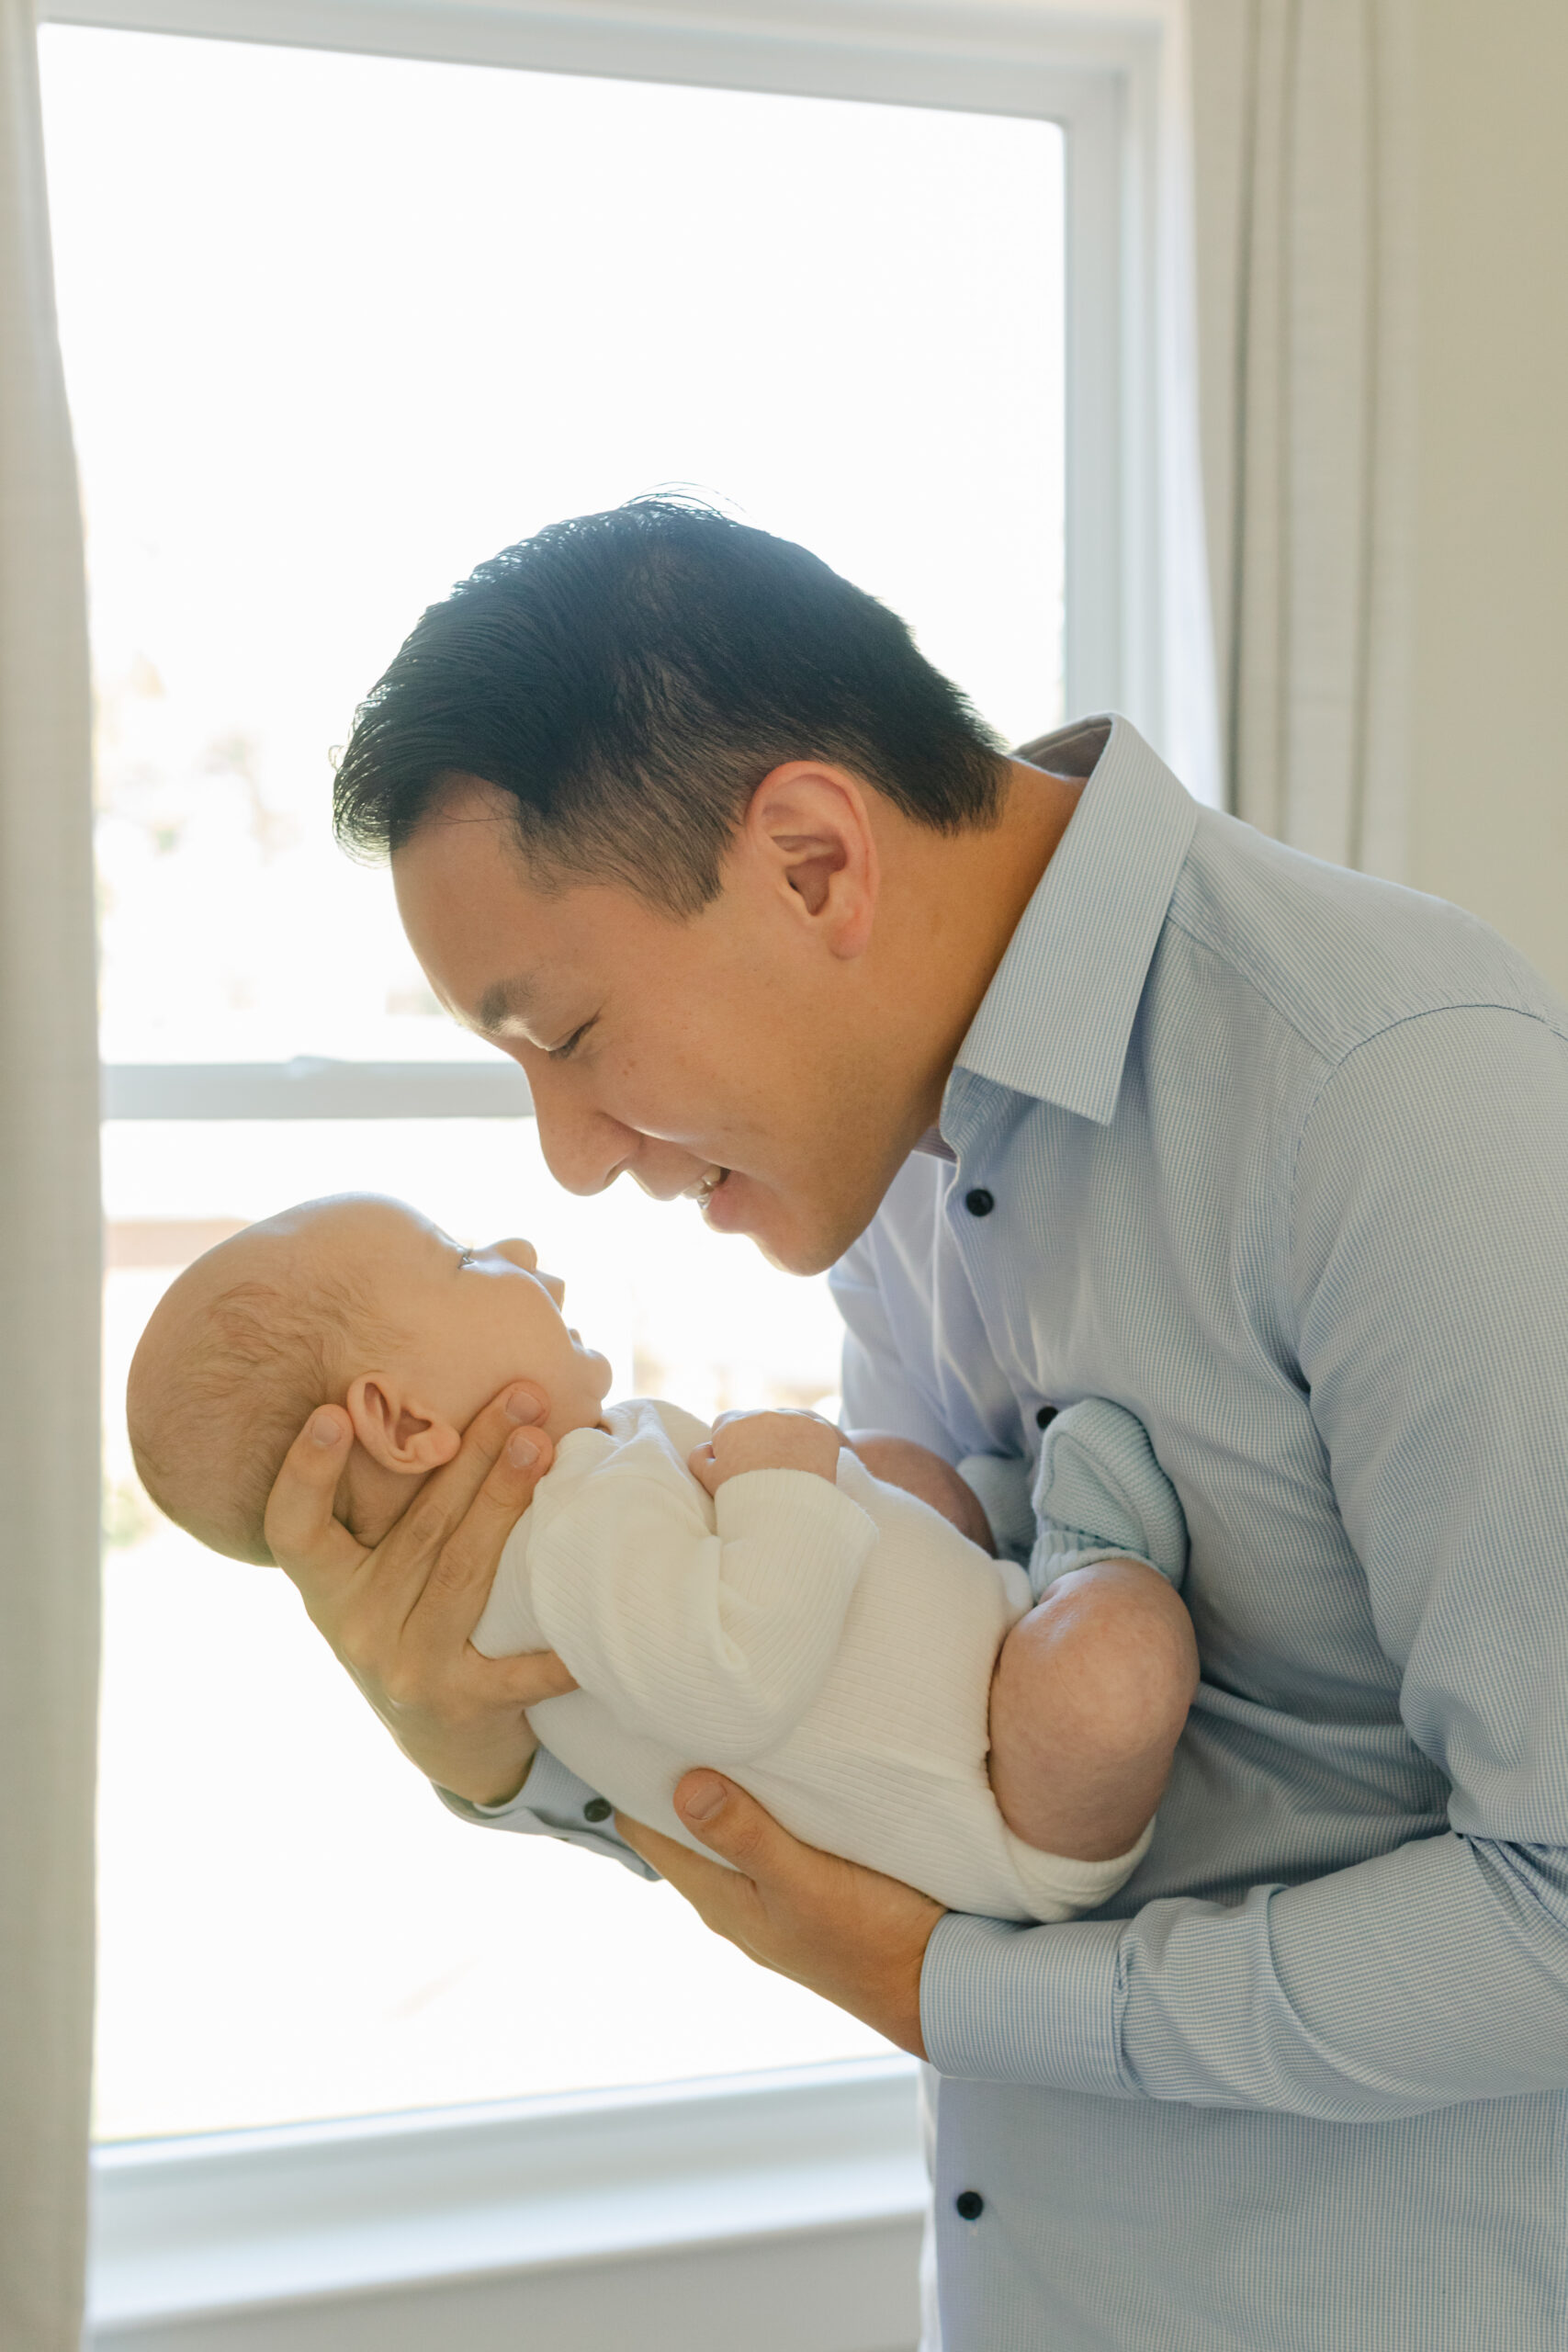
(807, 1240)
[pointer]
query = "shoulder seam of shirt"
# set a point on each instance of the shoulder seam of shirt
(1336, 1053)
(1401, 1021)
(1250, 979)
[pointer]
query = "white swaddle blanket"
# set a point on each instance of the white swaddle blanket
(830, 1646)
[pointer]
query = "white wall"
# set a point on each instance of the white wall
(1489, 808)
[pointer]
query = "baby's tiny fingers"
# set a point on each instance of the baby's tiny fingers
(703, 1467)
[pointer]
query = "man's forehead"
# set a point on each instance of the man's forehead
(507, 945)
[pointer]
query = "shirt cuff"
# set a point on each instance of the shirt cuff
(1007, 2004)
(553, 1802)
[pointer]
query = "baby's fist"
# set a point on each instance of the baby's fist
(783, 1441)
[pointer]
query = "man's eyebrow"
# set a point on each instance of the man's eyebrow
(506, 1000)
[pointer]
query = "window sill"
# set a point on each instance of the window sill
(198, 2240)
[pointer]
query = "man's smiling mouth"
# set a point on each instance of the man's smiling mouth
(706, 1185)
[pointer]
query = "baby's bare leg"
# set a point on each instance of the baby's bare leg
(1088, 1700)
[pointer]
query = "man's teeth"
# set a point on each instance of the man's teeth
(706, 1185)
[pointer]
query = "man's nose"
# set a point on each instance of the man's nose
(585, 1149)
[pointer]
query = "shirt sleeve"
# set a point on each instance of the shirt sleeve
(1429, 1266)
(717, 1641)
(553, 1802)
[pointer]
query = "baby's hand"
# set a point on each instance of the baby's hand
(784, 1441)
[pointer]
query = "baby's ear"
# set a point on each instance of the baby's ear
(395, 1429)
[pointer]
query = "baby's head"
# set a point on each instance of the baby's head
(354, 1301)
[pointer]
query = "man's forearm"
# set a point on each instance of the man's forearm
(1432, 1975)
(483, 1781)
(486, 1765)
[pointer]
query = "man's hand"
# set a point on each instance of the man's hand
(774, 1440)
(398, 1618)
(899, 1462)
(850, 1934)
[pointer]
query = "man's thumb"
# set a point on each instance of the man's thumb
(724, 1818)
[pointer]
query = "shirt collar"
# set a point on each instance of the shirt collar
(1057, 1017)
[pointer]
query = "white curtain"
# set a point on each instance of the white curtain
(1303, 127)
(49, 1273)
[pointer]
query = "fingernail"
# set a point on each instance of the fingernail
(703, 1800)
(521, 1407)
(521, 1450)
(324, 1430)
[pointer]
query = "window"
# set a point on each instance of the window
(469, 300)
(345, 324)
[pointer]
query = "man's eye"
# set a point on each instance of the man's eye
(569, 1046)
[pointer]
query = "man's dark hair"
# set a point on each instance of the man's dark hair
(628, 679)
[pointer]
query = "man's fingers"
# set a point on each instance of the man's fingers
(668, 1856)
(455, 1590)
(510, 1431)
(525, 1681)
(308, 1543)
(722, 1899)
(848, 1933)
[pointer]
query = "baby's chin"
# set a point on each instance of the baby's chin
(587, 1415)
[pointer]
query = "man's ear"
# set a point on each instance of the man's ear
(394, 1428)
(809, 828)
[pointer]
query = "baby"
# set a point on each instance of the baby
(748, 1597)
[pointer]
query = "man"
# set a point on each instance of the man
(1083, 1091)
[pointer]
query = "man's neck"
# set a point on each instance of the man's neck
(967, 897)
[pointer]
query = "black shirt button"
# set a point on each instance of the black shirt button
(1044, 1416)
(598, 1809)
(970, 2204)
(979, 1203)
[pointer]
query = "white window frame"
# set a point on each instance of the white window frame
(799, 2194)
(619, 2219)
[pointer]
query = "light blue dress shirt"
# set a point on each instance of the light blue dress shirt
(1275, 1157)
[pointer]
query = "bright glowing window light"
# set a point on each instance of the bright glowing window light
(337, 328)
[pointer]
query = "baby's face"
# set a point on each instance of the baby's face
(475, 1319)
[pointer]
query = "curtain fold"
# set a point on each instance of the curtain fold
(50, 1276)
(1303, 118)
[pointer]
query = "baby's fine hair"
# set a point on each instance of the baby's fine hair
(212, 1415)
